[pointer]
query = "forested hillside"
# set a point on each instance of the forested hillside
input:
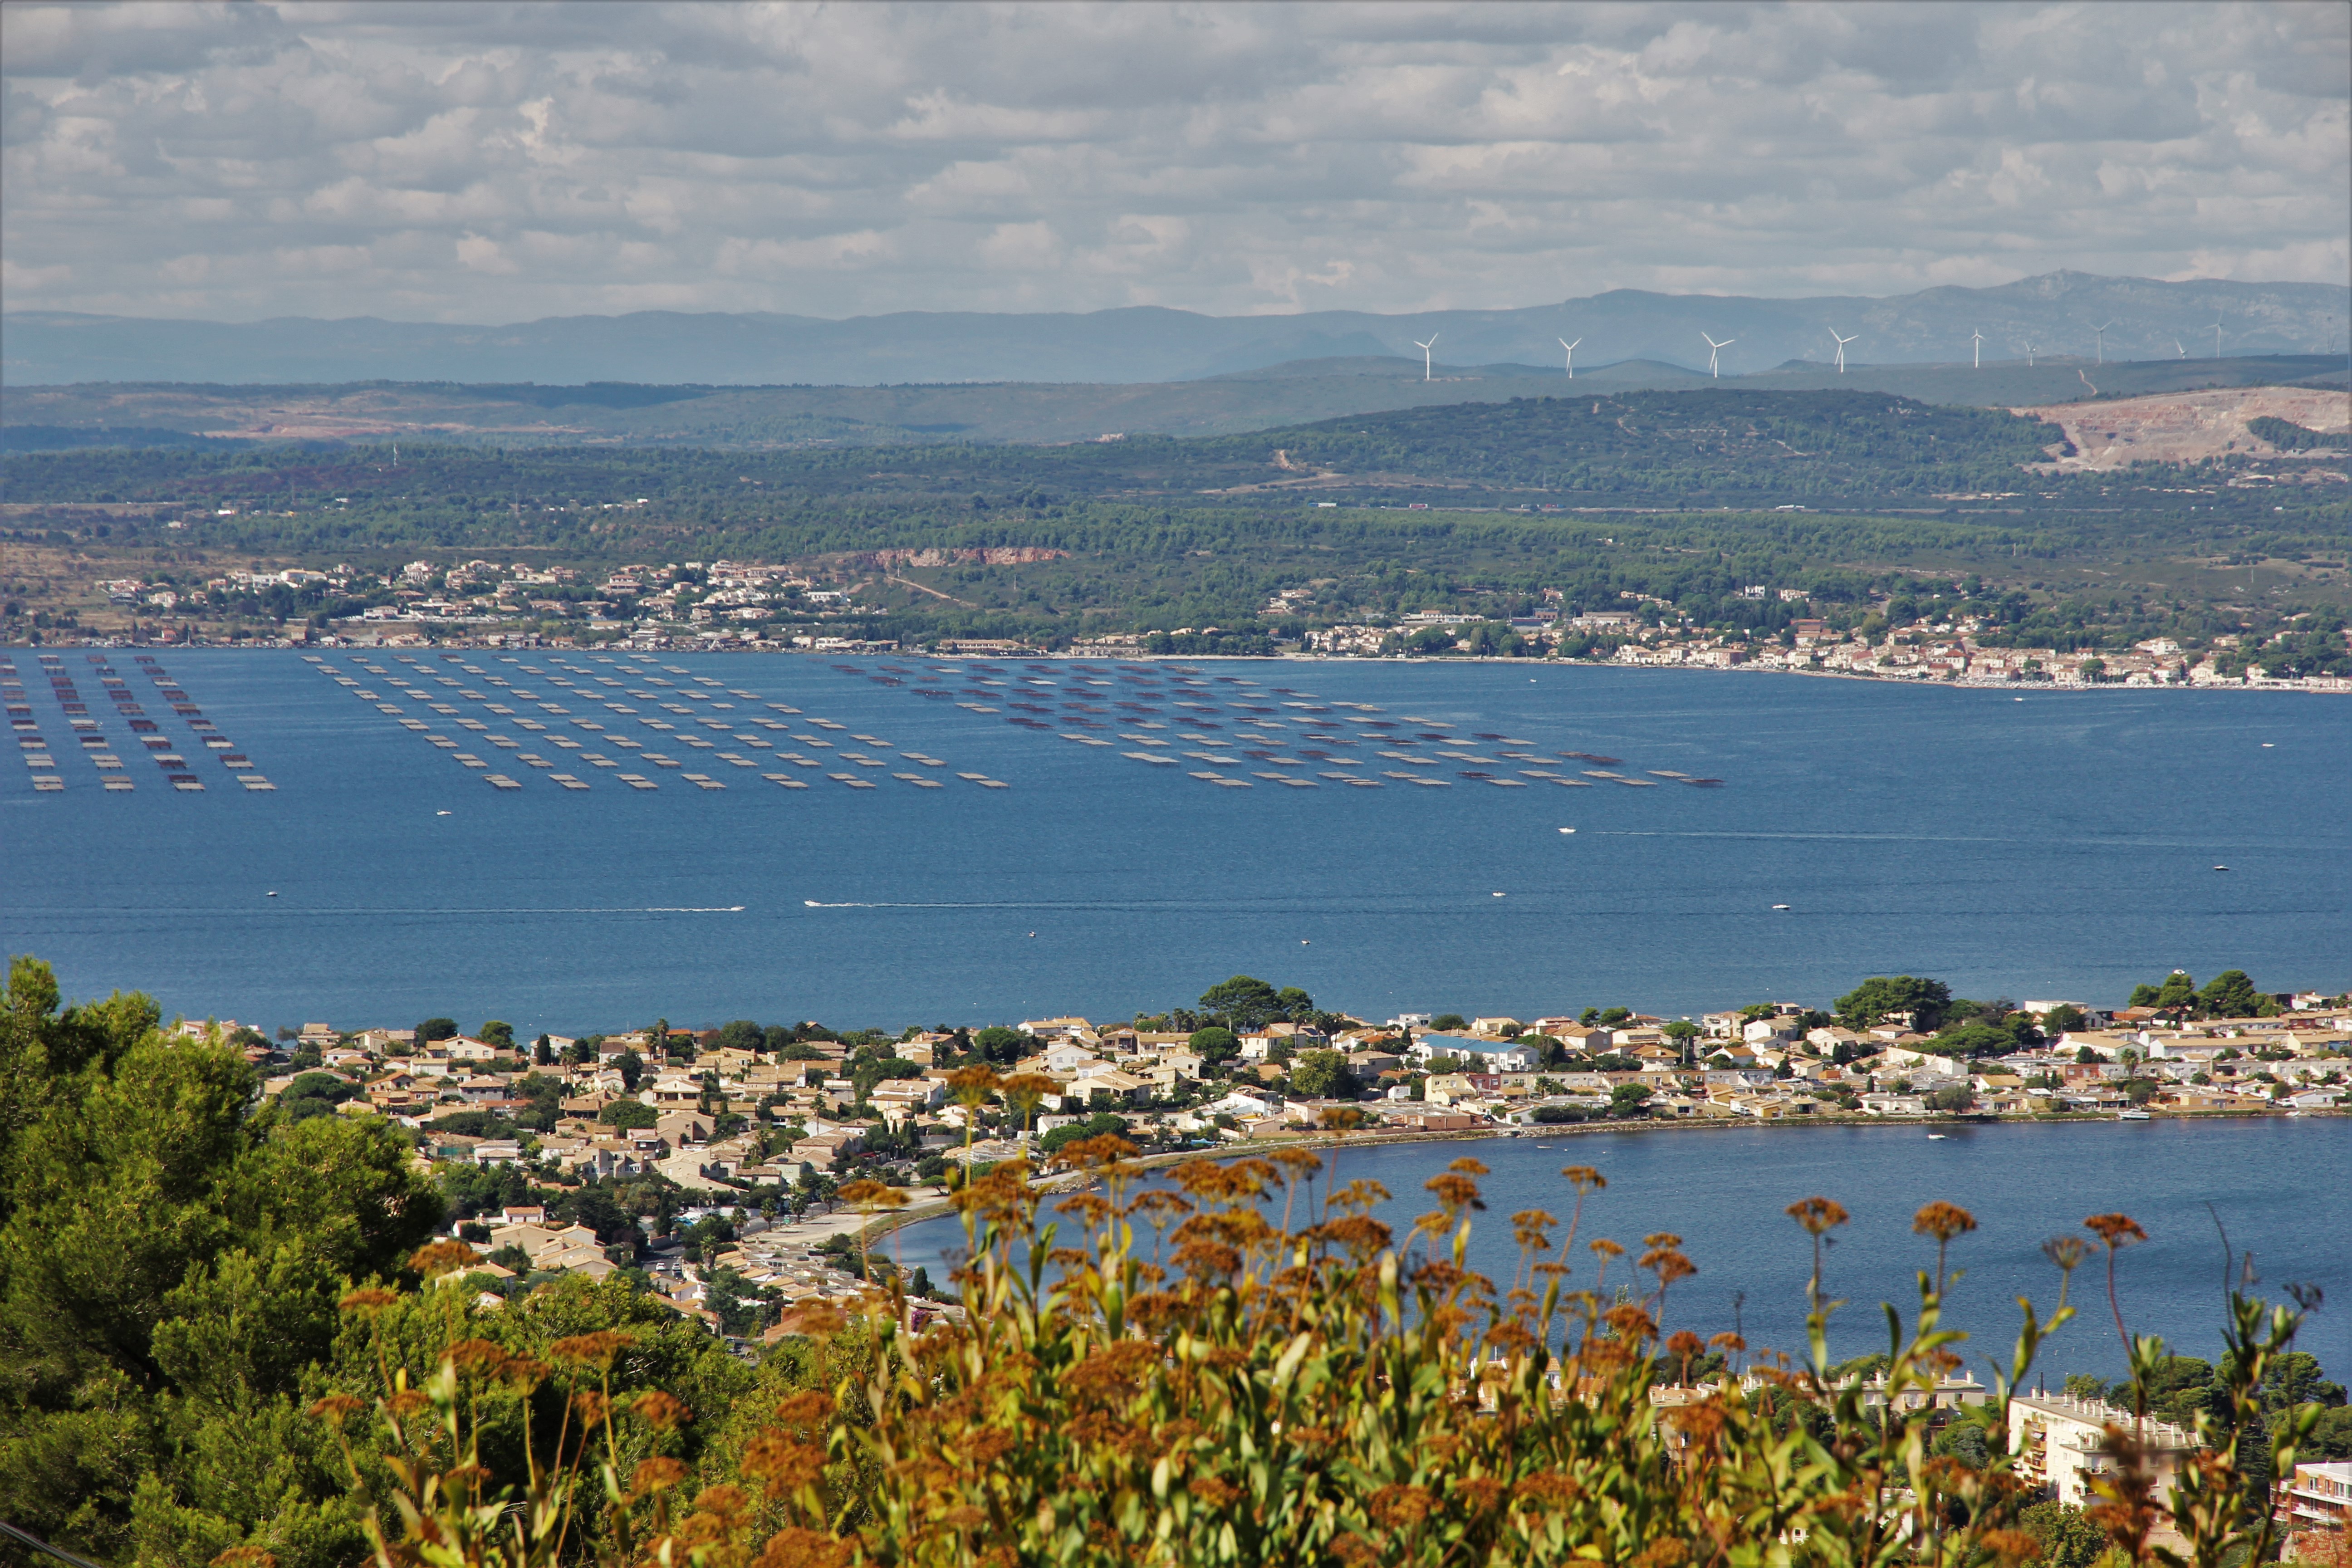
(1651, 448)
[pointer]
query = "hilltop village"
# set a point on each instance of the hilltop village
(714, 1158)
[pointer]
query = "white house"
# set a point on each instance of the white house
(1489, 1056)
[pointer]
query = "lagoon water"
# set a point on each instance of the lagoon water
(2061, 845)
(2277, 1186)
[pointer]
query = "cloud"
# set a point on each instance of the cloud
(502, 162)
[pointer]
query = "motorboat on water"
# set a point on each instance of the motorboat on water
(2133, 1116)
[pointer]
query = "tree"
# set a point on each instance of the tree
(1244, 1004)
(1001, 1046)
(1322, 1074)
(2232, 994)
(2069, 1540)
(1924, 1000)
(1297, 1006)
(497, 1033)
(1214, 1044)
(434, 1029)
(1448, 1024)
(1629, 1099)
(625, 1114)
(633, 1070)
(2063, 1019)
(542, 1051)
(1960, 1096)
(171, 1258)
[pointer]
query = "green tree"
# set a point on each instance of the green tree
(742, 1034)
(2232, 994)
(1243, 1004)
(2069, 1539)
(625, 1114)
(1322, 1074)
(633, 1070)
(2063, 1018)
(1003, 1045)
(499, 1032)
(1874, 998)
(1448, 1024)
(1214, 1044)
(434, 1029)
(542, 1051)
(170, 1261)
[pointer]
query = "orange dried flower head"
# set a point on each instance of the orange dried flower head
(441, 1256)
(810, 1407)
(1466, 1166)
(1605, 1247)
(657, 1474)
(591, 1407)
(596, 1350)
(1818, 1214)
(1088, 1153)
(1661, 1238)
(867, 1194)
(369, 1298)
(1400, 1506)
(1584, 1178)
(815, 1320)
(2066, 1251)
(1339, 1118)
(475, 1355)
(524, 1371)
(2117, 1230)
(799, 1548)
(244, 1557)
(335, 1408)
(1943, 1221)
(662, 1412)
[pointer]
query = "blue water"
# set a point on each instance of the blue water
(1725, 1192)
(2061, 846)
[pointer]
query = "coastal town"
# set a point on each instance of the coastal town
(715, 1158)
(1929, 635)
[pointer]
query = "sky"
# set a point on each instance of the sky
(498, 163)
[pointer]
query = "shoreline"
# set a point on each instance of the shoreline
(883, 1225)
(2324, 686)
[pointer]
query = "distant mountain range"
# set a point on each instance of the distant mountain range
(2052, 314)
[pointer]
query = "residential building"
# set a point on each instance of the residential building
(2062, 1443)
(2314, 1499)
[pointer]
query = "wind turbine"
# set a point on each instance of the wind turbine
(1978, 338)
(2100, 334)
(2028, 353)
(1713, 349)
(2217, 336)
(1424, 348)
(1841, 343)
(1571, 354)
(2183, 348)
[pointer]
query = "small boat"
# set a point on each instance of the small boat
(2221, 867)
(2133, 1116)
(1568, 830)
(1938, 1137)
(272, 894)
(1780, 906)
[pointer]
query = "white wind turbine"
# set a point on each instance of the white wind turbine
(2182, 347)
(1713, 349)
(1425, 361)
(1978, 338)
(2217, 336)
(2100, 334)
(2028, 353)
(1572, 355)
(1841, 343)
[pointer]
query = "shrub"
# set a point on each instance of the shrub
(1224, 1389)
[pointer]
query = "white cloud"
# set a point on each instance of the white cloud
(473, 163)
